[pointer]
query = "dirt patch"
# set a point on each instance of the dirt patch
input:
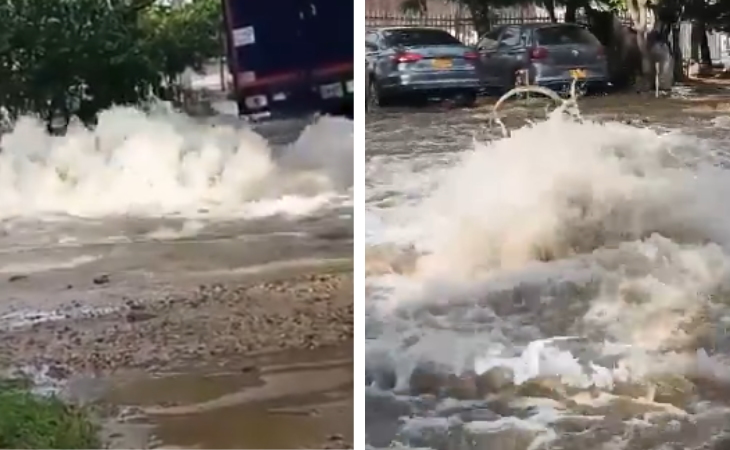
(304, 312)
(216, 325)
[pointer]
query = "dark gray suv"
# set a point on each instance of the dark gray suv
(545, 54)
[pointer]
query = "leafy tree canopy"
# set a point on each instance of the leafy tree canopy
(103, 52)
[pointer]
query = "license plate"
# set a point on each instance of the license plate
(578, 74)
(442, 64)
(333, 90)
(58, 122)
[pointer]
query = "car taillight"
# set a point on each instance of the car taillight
(471, 56)
(538, 53)
(407, 57)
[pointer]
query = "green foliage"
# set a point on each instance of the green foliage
(717, 15)
(28, 421)
(184, 37)
(110, 52)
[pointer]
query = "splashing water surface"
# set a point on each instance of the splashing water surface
(162, 163)
(160, 201)
(563, 287)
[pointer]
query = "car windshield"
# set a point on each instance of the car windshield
(562, 35)
(419, 36)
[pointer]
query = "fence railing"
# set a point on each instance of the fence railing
(461, 27)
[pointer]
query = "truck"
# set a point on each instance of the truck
(290, 57)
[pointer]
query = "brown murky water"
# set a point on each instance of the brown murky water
(287, 400)
(421, 161)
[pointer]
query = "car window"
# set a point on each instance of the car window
(490, 40)
(511, 37)
(371, 37)
(419, 36)
(562, 35)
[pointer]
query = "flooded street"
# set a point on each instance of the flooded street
(210, 257)
(566, 287)
(254, 403)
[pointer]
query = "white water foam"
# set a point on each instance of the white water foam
(160, 163)
(603, 234)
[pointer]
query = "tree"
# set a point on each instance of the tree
(183, 36)
(102, 53)
(480, 11)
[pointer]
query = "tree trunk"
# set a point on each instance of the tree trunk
(677, 52)
(700, 46)
(638, 11)
(480, 16)
(550, 6)
(571, 10)
(705, 55)
(666, 37)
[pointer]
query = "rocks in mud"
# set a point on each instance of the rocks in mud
(57, 372)
(428, 378)
(543, 387)
(462, 387)
(637, 389)
(101, 279)
(624, 408)
(675, 390)
(671, 389)
(481, 436)
(218, 321)
(138, 312)
(136, 316)
(495, 380)
(336, 441)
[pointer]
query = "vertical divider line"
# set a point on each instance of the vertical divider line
(358, 192)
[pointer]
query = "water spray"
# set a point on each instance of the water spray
(563, 104)
(570, 105)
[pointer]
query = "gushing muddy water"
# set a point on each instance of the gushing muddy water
(157, 241)
(562, 288)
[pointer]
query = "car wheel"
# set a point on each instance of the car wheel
(377, 98)
(465, 99)
(373, 97)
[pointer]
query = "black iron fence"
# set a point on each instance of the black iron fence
(460, 25)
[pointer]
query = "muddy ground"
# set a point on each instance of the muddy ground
(222, 338)
(310, 310)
